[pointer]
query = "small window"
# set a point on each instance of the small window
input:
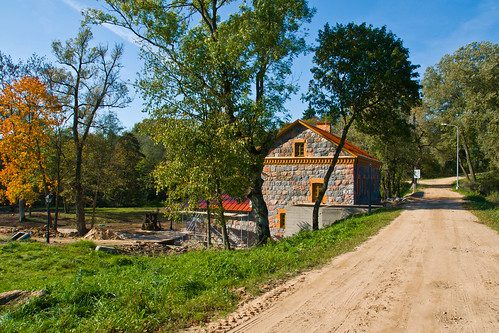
(299, 149)
(282, 220)
(316, 187)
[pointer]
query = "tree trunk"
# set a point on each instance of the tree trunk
(463, 169)
(56, 212)
(58, 179)
(94, 204)
(468, 161)
(225, 234)
(79, 195)
(260, 208)
(22, 211)
(208, 211)
(329, 172)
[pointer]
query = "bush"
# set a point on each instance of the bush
(487, 183)
(493, 197)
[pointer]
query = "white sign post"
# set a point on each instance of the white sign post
(417, 175)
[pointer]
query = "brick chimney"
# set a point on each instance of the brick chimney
(325, 126)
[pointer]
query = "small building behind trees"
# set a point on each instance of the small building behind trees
(294, 170)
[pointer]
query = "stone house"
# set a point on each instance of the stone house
(294, 170)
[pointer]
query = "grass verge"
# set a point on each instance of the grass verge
(486, 211)
(95, 291)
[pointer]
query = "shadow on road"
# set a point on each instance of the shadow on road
(432, 197)
(449, 186)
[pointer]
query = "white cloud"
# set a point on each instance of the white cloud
(123, 33)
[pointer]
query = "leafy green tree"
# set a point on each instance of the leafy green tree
(87, 82)
(204, 162)
(398, 160)
(98, 173)
(11, 71)
(362, 74)
(128, 186)
(153, 152)
(206, 56)
(463, 90)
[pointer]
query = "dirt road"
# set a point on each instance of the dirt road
(433, 269)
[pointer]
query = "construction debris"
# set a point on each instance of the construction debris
(107, 249)
(18, 236)
(99, 234)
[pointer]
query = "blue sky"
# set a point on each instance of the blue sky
(429, 29)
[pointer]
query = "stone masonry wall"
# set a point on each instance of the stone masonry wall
(315, 145)
(290, 184)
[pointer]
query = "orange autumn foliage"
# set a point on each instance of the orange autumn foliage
(28, 114)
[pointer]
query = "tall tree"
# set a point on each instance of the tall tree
(463, 90)
(87, 83)
(205, 55)
(205, 161)
(28, 114)
(362, 74)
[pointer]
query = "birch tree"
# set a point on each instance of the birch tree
(87, 82)
(210, 54)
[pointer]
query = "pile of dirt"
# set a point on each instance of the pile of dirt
(104, 234)
(8, 230)
(159, 248)
(151, 249)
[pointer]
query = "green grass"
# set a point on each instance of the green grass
(94, 291)
(486, 210)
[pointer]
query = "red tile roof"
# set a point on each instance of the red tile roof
(231, 204)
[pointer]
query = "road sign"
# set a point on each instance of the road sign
(417, 173)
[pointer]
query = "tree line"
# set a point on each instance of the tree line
(66, 142)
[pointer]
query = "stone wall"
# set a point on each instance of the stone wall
(315, 145)
(290, 184)
(287, 179)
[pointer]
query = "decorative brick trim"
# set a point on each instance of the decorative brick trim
(308, 160)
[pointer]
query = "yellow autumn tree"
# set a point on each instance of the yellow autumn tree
(28, 113)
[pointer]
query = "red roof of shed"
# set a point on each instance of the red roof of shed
(231, 204)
